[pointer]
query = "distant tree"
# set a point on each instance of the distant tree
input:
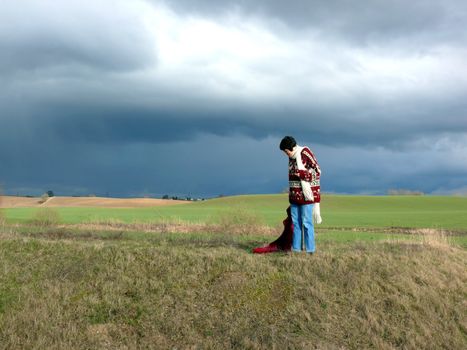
(44, 198)
(404, 192)
(50, 193)
(165, 196)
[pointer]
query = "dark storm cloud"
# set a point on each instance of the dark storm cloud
(52, 49)
(88, 103)
(109, 124)
(360, 22)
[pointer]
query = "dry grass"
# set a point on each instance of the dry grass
(2, 216)
(164, 226)
(437, 239)
(60, 201)
(46, 217)
(400, 230)
(157, 294)
(430, 238)
(241, 221)
(231, 222)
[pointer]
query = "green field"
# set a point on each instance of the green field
(345, 217)
(338, 211)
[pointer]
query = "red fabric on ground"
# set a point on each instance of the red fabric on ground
(281, 244)
(270, 248)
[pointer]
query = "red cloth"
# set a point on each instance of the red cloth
(281, 244)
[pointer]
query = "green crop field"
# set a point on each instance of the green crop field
(340, 212)
(337, 211)
(389, 273)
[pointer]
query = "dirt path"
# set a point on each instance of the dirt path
(398, 230)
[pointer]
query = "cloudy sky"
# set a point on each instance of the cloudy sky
(192, 97)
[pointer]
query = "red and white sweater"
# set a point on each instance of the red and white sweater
(311, 174)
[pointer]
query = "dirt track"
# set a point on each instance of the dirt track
(17, 202)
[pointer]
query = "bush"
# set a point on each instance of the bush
(2, 217)
(404, 192)
(241, 221)
(44, 198)
(46, 217)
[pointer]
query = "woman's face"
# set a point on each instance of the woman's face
(288, 153)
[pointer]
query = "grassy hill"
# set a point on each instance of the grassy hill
(131, 282)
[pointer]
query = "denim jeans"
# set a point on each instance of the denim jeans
(302, 215)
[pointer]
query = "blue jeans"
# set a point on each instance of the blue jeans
(302, 215)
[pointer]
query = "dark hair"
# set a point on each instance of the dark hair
(287, 142)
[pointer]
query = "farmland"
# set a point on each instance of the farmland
(389, 273)
(345, 217)
(340, 211)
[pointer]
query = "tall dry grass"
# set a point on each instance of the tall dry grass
(111, 294)
(6, 231)
(235, 221)
(238, 220)
(2, 215)
(429, 237)
(46, 217)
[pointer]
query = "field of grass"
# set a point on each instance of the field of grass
(345, 217)
(390, 272)
(338, 211)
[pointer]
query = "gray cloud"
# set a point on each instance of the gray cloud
(113, 121)
(37, 35)
(361, 22)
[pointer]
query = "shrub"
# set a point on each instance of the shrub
(2, 217)
(44, 198)
(404, 192)
(46, 217)
(241, 221)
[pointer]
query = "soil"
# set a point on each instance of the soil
(18, 202)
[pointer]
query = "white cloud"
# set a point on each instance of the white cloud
(102, 34)
(242, 59)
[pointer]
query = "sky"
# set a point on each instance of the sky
(192, 97)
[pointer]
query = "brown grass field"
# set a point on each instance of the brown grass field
(86, 289)
(18, 202)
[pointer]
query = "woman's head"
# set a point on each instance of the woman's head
(287, 145)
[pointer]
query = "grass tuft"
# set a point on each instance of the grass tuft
(241, 221)
(46, 217)
(2, 215)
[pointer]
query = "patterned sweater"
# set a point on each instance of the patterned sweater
(312, 174)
